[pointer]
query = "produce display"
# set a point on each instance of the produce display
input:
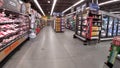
(104, 26)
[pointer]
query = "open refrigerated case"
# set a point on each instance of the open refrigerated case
(14, 27)
(14, 30)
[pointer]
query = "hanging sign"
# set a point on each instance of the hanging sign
(94, 6)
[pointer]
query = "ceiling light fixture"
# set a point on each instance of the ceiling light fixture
(48, 1)
(20, 1)
(115, 12)
(36, 2)
(107, 2)
(53, 6)
(73, 5)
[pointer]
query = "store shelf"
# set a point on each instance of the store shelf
(80, 37)
(95, 37)
(11, 46)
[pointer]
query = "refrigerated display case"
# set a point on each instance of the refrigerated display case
(118, 32)
(104, 26)
(115, 26)
(14, 30)
(110, 27)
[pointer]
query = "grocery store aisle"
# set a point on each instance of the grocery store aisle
(58, 50)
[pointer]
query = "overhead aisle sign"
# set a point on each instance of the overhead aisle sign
(94, 6)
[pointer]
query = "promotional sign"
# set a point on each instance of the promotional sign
(72, 9)
(1, 3)
(94, 6)
(28, 8)
(23, 8)
(11, 5)
(78, 9)
(83, 7)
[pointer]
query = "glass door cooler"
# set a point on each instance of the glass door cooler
(115, 26)
(104, 29)
(110, 27)
(118, 32)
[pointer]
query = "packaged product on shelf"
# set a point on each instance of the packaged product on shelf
(95, 33)
(95, 28)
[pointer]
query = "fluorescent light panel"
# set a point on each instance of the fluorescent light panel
(53, 6)
(107, 2)
(48, 1)
(73, 5)
(39, 7)
(115, 12)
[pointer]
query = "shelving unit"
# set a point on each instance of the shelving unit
(70, 22)
(88, 25)
(59, 24)
(14, 30)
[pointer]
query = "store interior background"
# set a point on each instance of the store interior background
(56, 26)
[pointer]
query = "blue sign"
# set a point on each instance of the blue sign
(94, 6)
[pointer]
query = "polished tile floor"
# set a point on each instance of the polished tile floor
(59, 50)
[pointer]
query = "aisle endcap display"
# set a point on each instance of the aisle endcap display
(108, 31)
(114, 51)
(88, 25)
(59, 23)
(70, 21)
